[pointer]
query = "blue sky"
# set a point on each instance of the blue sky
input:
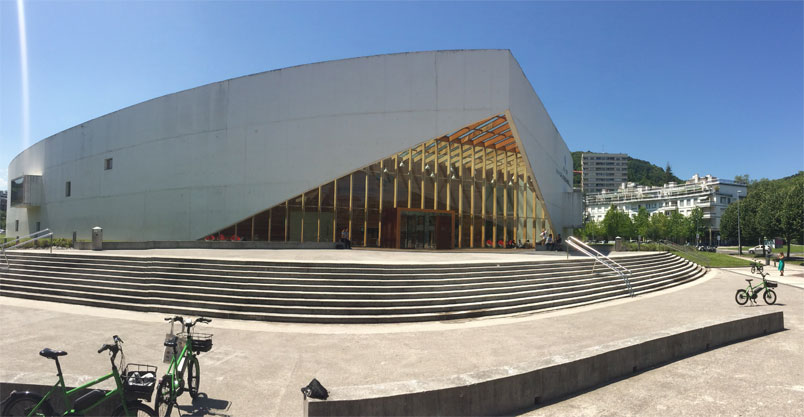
(709, 87)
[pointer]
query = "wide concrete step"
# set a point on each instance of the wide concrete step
(315, 289)
(344, 319)
(374, 307)
(325, 279)
(353, 294)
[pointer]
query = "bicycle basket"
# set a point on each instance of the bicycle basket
(139, 381)
(771, 284)
(202, 342)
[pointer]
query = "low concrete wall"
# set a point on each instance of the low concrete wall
(514, 389)
(201, 244)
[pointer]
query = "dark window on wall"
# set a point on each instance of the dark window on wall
(16, 225)
(38, 226)
(67, 189)
(107, 164)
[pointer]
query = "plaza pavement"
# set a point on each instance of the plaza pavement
(256, 369)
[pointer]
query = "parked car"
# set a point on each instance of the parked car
(758, 249)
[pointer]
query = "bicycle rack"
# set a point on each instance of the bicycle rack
(591, 252)
(33, 237)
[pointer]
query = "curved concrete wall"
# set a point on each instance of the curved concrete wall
(190, 163)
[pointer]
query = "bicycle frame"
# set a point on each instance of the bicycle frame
(178, 365)
(67, 395)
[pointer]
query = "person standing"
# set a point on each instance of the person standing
(781, 265)
(347, 244)
(549, 243)
(557, 246)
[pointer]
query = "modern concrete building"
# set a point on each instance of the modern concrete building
(603, 171)
(414, 150)
(710, 194)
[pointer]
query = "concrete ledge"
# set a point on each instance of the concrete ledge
(201, 244)
(513, 389)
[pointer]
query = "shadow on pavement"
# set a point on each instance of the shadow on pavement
(205, 406)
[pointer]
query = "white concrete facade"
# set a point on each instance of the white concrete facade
(189, 163)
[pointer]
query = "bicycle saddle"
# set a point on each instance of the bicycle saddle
(749, 280)
(52, 354)
(172, 342)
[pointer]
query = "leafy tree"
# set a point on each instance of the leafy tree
(658, 226)
(741, 179)
(645, 173)
(592, 230)
(617, 223)
(678, 227)
(792, 213)
(696, 223)
(642, 222)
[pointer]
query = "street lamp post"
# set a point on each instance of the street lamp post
(739, 241)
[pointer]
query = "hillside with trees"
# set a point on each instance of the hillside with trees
(639, 172)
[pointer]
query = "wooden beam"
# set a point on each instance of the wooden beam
(488, 135)
(507, 140)
(479, 132)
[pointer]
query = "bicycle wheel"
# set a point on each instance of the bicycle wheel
(193, 377)
(753, 269)
(23, 404)
(769, 296)
(741, 297)
(135, 409)
(163, 402)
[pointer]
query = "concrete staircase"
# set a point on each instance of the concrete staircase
(330, 293)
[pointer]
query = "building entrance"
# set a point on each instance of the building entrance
(418, 229)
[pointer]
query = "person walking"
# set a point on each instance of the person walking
(557, 246)
(781, 265)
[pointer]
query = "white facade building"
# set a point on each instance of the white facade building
(710, 194)
(298, 153)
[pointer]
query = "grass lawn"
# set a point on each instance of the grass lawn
(793, 249)
(716, 260)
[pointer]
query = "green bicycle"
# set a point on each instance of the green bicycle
(751, 292)
(190, 344)
(135, 384)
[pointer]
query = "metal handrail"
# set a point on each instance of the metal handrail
(33, 237)
(591, 252)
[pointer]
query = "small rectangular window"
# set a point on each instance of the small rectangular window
(107, 164)
(16, 225)
(38, 226)
(67, 189)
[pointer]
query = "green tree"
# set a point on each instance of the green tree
(658, 226)
(617, 223)
(792, 213)
(696, 223)
(668, 173)
(678, 227)
(592, 230)
(741, 179)
(642, 222)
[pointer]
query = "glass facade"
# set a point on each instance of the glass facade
(470, 189)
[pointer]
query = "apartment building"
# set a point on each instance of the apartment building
(603, 171)
(711, 194)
